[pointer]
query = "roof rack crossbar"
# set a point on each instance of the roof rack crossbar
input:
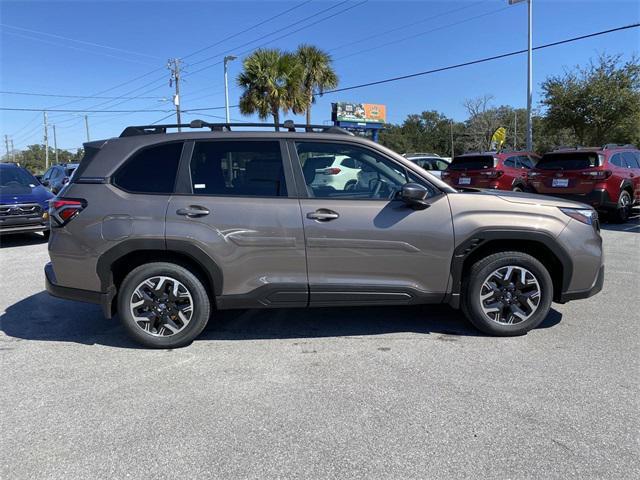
(222, 127)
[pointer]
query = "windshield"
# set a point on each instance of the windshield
(472, 162)
(17, 177)
(569, 161)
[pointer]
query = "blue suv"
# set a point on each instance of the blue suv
(24, 202)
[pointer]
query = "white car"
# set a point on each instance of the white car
(339, 172)
(434, 164)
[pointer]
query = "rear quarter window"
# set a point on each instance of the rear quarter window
(151, 170)
(569, 161)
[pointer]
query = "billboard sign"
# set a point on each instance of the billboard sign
(359, 112)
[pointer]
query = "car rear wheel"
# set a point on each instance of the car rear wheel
(517, 188)
(507, 294)
(623, 210)
(163, 305)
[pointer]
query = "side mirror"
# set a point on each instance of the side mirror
(414, 195)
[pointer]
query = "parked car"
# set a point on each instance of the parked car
(58, 176)
(164, 229)
(435, 165)
(499, 171)
(337, 172)
(606, 178)
(24, 202)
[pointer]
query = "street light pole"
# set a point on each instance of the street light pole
(529, 79)
(227, 59)
(529, 70)
(86, 125)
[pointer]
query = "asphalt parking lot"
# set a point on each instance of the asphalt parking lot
(409, 392)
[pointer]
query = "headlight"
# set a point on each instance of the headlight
(584, 215)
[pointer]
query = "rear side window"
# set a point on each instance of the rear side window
(631, 159)
(472, 162)
(248, 169)
(510, 162)
(152, 170)
(617, 160)
(569, 161)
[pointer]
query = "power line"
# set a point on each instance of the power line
(482, 60)
(415, 35)
(57, 44)
(79, 41)
(7, 92)
(16, 109)
(247, 29)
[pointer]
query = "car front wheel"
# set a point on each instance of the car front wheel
(507, 294)
(163, 305)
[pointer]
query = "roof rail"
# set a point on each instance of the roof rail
(610, 146)
(136, 130)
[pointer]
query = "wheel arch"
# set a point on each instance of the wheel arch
(539, 245)
(116, 263)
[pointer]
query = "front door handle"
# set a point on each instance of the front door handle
(193, 211)
(323, 215)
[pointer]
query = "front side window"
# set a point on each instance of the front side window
(373, 176)
(247, 168)
(151, 170)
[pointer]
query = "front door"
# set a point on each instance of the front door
(236, 206)
(363, 245)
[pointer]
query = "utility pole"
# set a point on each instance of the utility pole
(86, 125)
(529, 79)
(227, 59)
(515, 129)
(55, 143)
(173, 64)
(6, 144)
(13, 155)
(46, 143)
(451, 130)
(529, 70)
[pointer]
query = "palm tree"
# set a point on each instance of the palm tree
(317, 74)
(271, 81)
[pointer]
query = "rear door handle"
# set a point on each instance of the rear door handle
(193, 211)
(323, 215)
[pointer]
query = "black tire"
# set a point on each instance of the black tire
(623, 211)
(471, 303)
(200, 303)
(518, 188)
(350, 185)
(46, 234)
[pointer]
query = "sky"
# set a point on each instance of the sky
(120, 49)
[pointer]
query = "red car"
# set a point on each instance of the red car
(501, 171)
(606, 178)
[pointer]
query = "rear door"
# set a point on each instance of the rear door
(236, 203)
(363, 245)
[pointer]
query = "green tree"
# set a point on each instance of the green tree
(271, 82)
(600, 103)
(427, 132)
(317, 75)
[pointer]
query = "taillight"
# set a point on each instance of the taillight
(332, 171)
(64, 209)
(493, 173)
(597, 174)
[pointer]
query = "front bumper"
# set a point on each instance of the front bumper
(104, 299)
(590, 292)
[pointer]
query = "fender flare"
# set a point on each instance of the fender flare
(482, 236)
(188, 249)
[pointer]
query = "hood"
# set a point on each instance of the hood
(25, 194)
(529, 198)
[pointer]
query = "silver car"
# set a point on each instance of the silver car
(165, 229)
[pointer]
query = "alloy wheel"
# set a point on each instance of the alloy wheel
(510, 295)
(161, 306)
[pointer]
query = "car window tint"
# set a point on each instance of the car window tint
(375, 177)
(631, 160)
(250, 169)
(617, 160)
(47, 174)
(349, 163)
(525, 162)
(510, 162)
(151, 170)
